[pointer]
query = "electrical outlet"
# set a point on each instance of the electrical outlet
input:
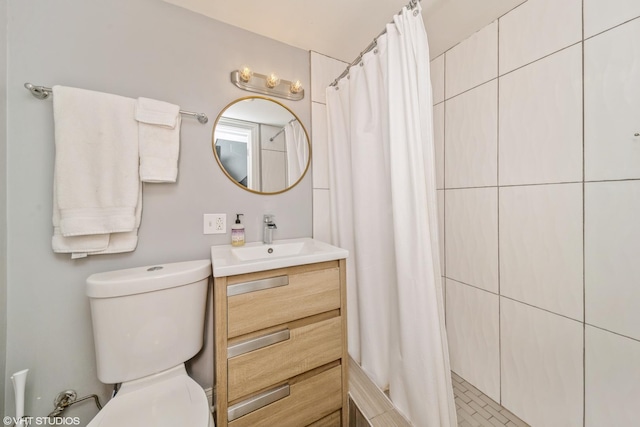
(215, 224)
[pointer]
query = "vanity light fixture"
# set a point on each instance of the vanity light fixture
(270, 84)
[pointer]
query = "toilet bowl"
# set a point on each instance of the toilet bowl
(147, 322)
(170, 398)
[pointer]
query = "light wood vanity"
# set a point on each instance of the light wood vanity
(281, 347)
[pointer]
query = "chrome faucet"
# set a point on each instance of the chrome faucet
(269, 226)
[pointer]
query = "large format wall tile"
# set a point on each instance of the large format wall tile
(473, 334)
(322, 215)
(437, 79)
(612, 245)
(612, 103)
(612, 380)
(541, 121)
(537, 28)
(438, 140)
(441, 228)
(542, 358)
(601, 15)
(324, 70)
(472, 62)
(471, 137)
(319, 144)
(541, 246)
(471, 229)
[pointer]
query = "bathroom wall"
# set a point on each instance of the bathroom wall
(143, 48)
(3, 194)
(324, 70)
(539, 194)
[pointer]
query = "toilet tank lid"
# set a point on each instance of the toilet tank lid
(146, 279)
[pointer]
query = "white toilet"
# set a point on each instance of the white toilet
(146, 323)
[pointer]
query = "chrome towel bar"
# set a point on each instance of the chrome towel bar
(43, 92)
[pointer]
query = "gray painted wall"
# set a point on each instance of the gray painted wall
(142, 48)
(3, 195)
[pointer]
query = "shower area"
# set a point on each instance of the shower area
(536, 136)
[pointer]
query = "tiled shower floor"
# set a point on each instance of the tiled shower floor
(476, 409)
(369, 406)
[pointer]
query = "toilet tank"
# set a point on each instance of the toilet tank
(147, 319)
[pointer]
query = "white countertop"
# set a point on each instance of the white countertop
(230, 260)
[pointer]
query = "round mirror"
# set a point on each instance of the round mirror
(261, 145)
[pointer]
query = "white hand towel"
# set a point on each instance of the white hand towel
(96, 165)
(159, 140)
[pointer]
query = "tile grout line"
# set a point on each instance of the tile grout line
(498, 202)
(601, 181)
(584, 318)
(531, 305)
(606, 30)
(444, 194)
(612, 332)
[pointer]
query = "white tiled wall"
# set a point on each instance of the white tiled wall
(611, 103)
(472, 138)
(538, 28)
(612, 248)
(437, 79)
(541, 121)
(602, 15)
(473, 334)
(541, 365)
(534, 236)
(472, 62)
(541, 246)
(441, 229)
(612, 381)
(471, 230)
(323, 71)
(438, 140)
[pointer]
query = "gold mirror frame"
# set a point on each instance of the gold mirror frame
(224, 170)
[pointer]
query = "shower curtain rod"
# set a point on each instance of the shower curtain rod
(412, 4)
(281, 130)
(43, 92)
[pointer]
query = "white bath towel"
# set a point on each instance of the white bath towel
(95, 244)
(97, 189)
(159, 139)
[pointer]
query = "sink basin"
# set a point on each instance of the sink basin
(228, 260)
(278, 249)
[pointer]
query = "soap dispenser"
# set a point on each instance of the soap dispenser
(237, 232)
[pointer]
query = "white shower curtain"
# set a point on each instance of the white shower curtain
(297, 151)
(383, 210)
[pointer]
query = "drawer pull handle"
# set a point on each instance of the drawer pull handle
(257, 343)
(257, 285)
(256, 402)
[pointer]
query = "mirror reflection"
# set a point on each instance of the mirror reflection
(261, 145)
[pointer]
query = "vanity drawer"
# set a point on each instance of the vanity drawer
(308, 347)
(333, 420)
(309, 400)
(281, 296)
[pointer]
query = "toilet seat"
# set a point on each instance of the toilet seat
(168, 399)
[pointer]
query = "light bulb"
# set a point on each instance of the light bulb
(272, 80)
(296, 86)
(245, 73)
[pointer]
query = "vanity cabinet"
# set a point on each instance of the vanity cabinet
(281, 347)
